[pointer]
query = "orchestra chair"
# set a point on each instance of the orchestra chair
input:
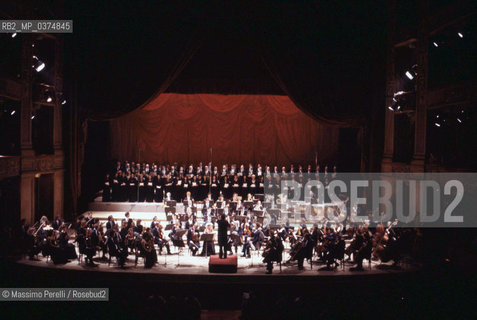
(138, 255)
(369, 260)
(340, 253)
(110, 258)
(279, 264)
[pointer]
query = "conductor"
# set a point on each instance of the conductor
(222, 236)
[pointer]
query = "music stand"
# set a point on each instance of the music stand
(178, 242)
(171, 203)
(207, 237)
(169, 227)
(236, 238)
(260, 220)
(258, 213)
(241, 218)
(170, 210)
(248, 204)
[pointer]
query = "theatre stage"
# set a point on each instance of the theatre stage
(186, 264)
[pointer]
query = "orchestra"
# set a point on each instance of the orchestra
(327, 243)
(221, 214)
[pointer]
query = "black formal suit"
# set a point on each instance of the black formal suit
(56, 224)
(222, 237)
(132, 185)
(107, 190)
(110, 225)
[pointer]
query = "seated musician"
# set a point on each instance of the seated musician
(221, 202)
(273, 251)
(188, 201)
(237, 240)
(190, 222)
(258, 237)
(158, 235)
(208, 247)
(153, 223)
(246, 240)
(207, 208)
(56, 223)
(227, 211)
(258, 206)
(305, 250)
(111, 223)
(188, 213)
(89, 219)
(90, 248)
(238, 207)
(175, 228)
(193, 239)
(33, 245)
(147, 245)
(139, 227)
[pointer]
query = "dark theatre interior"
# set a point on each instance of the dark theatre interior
(163, 150)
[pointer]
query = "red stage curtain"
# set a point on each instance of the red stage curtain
(266, 129)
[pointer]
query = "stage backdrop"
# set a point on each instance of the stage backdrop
(183, 128)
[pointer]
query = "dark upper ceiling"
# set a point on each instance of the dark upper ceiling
(121, 52)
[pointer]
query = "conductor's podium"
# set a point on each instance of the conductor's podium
(228, 265)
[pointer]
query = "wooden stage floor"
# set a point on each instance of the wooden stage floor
(185, 264)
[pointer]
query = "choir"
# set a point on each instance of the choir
(136, 182)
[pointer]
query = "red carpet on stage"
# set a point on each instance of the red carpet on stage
(228, 265)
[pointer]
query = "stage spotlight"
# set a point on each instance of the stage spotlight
(398, 93)
(435, 44)
(398, 107)
(458, 119)
(33, 117)
(14, 35)
(12, 113)
(391, 108)
(38, 65)
(460, 34)
(409, 75)
(437, 124)
(63, 102)
(49, 99)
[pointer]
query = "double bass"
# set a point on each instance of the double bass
(296, 248)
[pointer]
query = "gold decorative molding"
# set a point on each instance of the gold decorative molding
(9, 167)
